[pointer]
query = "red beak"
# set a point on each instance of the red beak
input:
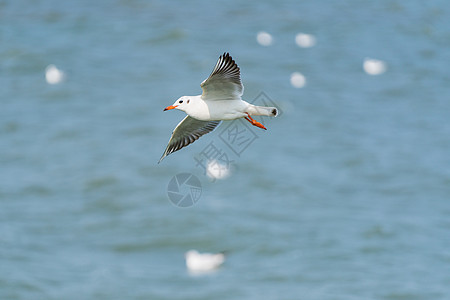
(170, 107)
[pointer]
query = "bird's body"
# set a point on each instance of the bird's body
(220, 100)
(217, 110)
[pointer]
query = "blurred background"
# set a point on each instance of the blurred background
(345, 196)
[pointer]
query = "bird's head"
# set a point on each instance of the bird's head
(180, 104)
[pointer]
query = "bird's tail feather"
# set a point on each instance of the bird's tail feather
(263, 111)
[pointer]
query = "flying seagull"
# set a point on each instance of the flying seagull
(220, 100)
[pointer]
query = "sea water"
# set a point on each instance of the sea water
(345, 196)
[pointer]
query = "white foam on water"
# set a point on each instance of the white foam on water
(264, 39)
(374, 66)
(53, 75)
(298, 80)
(305, 40)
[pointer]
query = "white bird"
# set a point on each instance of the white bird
(220, 100)
(203, 262)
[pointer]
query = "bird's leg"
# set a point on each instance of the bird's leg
(254, 122)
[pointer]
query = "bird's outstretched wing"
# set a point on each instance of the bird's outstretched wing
(224, 83)
(188, 131)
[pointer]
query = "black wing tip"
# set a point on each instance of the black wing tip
(181, 144)
(227, 57)
(162, 157)
(226, 63)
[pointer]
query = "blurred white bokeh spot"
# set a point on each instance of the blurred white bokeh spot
(197, 262)
(53, 75)
(264, 39)
(305, 40)
(374, 66)
(217, 170)
(298, 80)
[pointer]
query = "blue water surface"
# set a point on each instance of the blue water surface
(345, 196)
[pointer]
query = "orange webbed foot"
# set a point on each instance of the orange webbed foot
(254, 122)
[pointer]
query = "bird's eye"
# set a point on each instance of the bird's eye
(181, 101)
(188, 101)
